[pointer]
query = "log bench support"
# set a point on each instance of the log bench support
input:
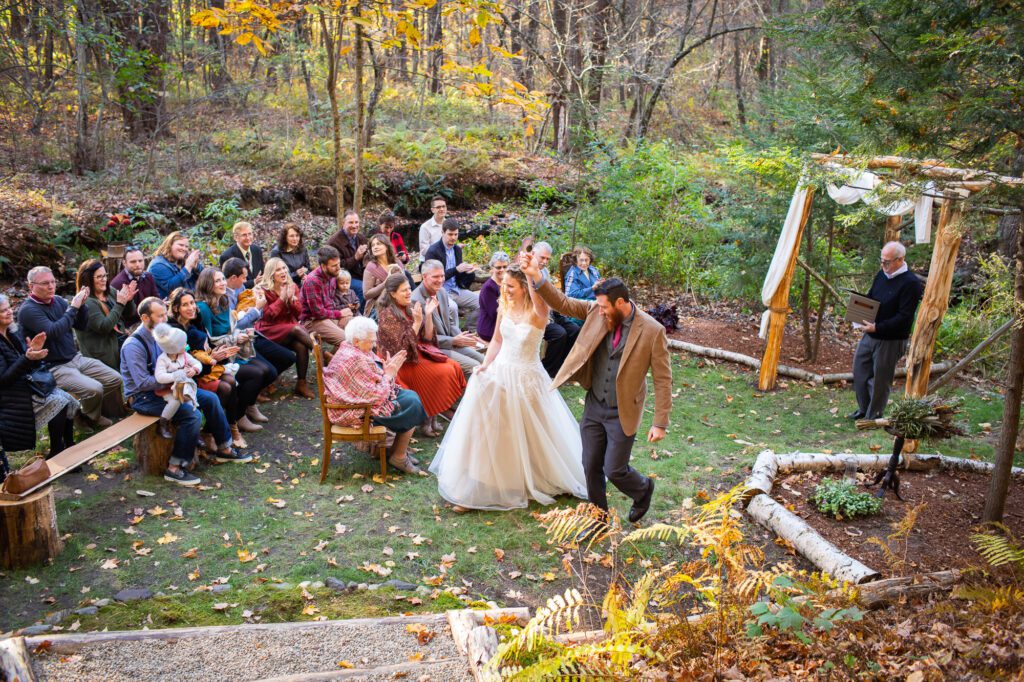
(28, 530)
(151, 451)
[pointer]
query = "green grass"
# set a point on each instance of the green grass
(719, 424)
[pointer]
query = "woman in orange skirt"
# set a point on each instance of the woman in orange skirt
(436, 378)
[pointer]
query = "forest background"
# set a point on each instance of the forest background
(666, 134)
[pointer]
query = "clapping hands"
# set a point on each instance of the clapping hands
(35, 350)
(127, 292)
(393, 363)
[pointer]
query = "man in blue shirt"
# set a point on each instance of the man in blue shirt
(138, 362)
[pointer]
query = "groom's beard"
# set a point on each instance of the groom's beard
(613, 319)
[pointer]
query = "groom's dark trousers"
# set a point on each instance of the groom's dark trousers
(606, 452)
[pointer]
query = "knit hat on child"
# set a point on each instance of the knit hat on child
(170, 339)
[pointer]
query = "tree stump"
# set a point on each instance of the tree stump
(28, 530)
(152, 451)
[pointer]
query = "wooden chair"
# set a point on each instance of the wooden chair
(564, 263)
(372, 434)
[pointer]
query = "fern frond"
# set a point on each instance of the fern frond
(565, 525)
(659, 531)
(992, 600)
(999, 550)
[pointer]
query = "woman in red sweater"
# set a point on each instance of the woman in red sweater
(280, 321)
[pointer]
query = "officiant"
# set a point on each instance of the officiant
(898, 292)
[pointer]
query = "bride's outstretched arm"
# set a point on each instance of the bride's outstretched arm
(494, 346)
(541, 310)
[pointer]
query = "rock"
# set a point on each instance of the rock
(56, 617)
(282, 586)
(371, 587)
(133, 594)
(37, 629)
(87, 611)
(362, 586)
(316, 584)
(336, 585)
(352, 585)
(400, 585)
(423, 589)
(216, 589)
(101, 603)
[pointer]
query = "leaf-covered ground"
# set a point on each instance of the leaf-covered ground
(258, 525)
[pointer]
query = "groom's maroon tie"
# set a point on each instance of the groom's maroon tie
(617, 336)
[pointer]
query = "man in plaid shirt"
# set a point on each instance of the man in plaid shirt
(319, 312)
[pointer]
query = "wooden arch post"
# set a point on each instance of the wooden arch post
(779, 308)
(935, 300)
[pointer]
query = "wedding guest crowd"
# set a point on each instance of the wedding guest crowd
(407, 349)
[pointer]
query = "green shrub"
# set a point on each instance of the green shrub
(841, 499)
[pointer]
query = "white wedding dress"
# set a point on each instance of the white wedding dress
(513, 439)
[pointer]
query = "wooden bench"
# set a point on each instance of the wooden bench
(28, 521)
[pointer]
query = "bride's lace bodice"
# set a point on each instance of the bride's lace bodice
(520, 343)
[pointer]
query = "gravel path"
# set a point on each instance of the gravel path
(257, 653)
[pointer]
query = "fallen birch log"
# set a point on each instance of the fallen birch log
(769, 465)
(14, 662)
(901, 372)
(807, 541)
(741, 359)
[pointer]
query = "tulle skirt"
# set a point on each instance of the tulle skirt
(512, 440)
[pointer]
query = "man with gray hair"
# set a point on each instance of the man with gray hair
(96, 386)
(560, 332)
(898, 292)
(460, 346)
(458, 276)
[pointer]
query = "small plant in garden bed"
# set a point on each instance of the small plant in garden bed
(841, 499)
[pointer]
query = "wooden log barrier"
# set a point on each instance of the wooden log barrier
(153, 451)
(14, 661)
(28, 530)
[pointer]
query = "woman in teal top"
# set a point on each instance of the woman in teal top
(215, 318)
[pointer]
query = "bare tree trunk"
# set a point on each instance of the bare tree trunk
(737, 65)
(560, 99)
(435, 26)
(601, 17)
(1010, 224)
(85, 157)
(805, 299)
(357, 180)
(330, 41)
(995, 500)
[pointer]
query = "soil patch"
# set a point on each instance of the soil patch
(941, 538)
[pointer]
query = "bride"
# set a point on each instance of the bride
(513, 439)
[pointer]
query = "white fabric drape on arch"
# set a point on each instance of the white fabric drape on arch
(860, 188)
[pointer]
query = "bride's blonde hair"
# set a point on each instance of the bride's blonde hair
(507, 304)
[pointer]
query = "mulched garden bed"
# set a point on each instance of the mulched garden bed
(940, 538)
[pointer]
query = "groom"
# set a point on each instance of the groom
(614, 350)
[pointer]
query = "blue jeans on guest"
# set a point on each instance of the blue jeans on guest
(188, 422)
(357, 286)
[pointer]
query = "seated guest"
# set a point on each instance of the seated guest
(344, 297)
(218, 321)
(460, 346)
(380, 263)
(490, 292)
(245, 248)
(437, 379)
(250, 305)
(174, 265)
(458, 276)
(388, 222)
(22, 412)
(430, 231)
(291, 248)
(356, 375)
(214, 377)
(581, 278)
(95, 385)
(560, 333)
(105, 329)
(134, 270)
(280, 321)
(352, 248)
(319, 312)
(138, 366)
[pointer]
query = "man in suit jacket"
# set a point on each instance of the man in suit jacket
(458, 276)
(616, 347)
(352, 247)
(460, 346)
(246, 249)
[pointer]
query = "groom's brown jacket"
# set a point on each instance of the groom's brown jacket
(646, 348)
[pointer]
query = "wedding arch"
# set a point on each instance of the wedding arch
(868, 179)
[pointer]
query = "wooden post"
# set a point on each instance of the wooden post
(28, 530)
(780, 308)
(892, 229)
(935, 301)
(152, 451)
